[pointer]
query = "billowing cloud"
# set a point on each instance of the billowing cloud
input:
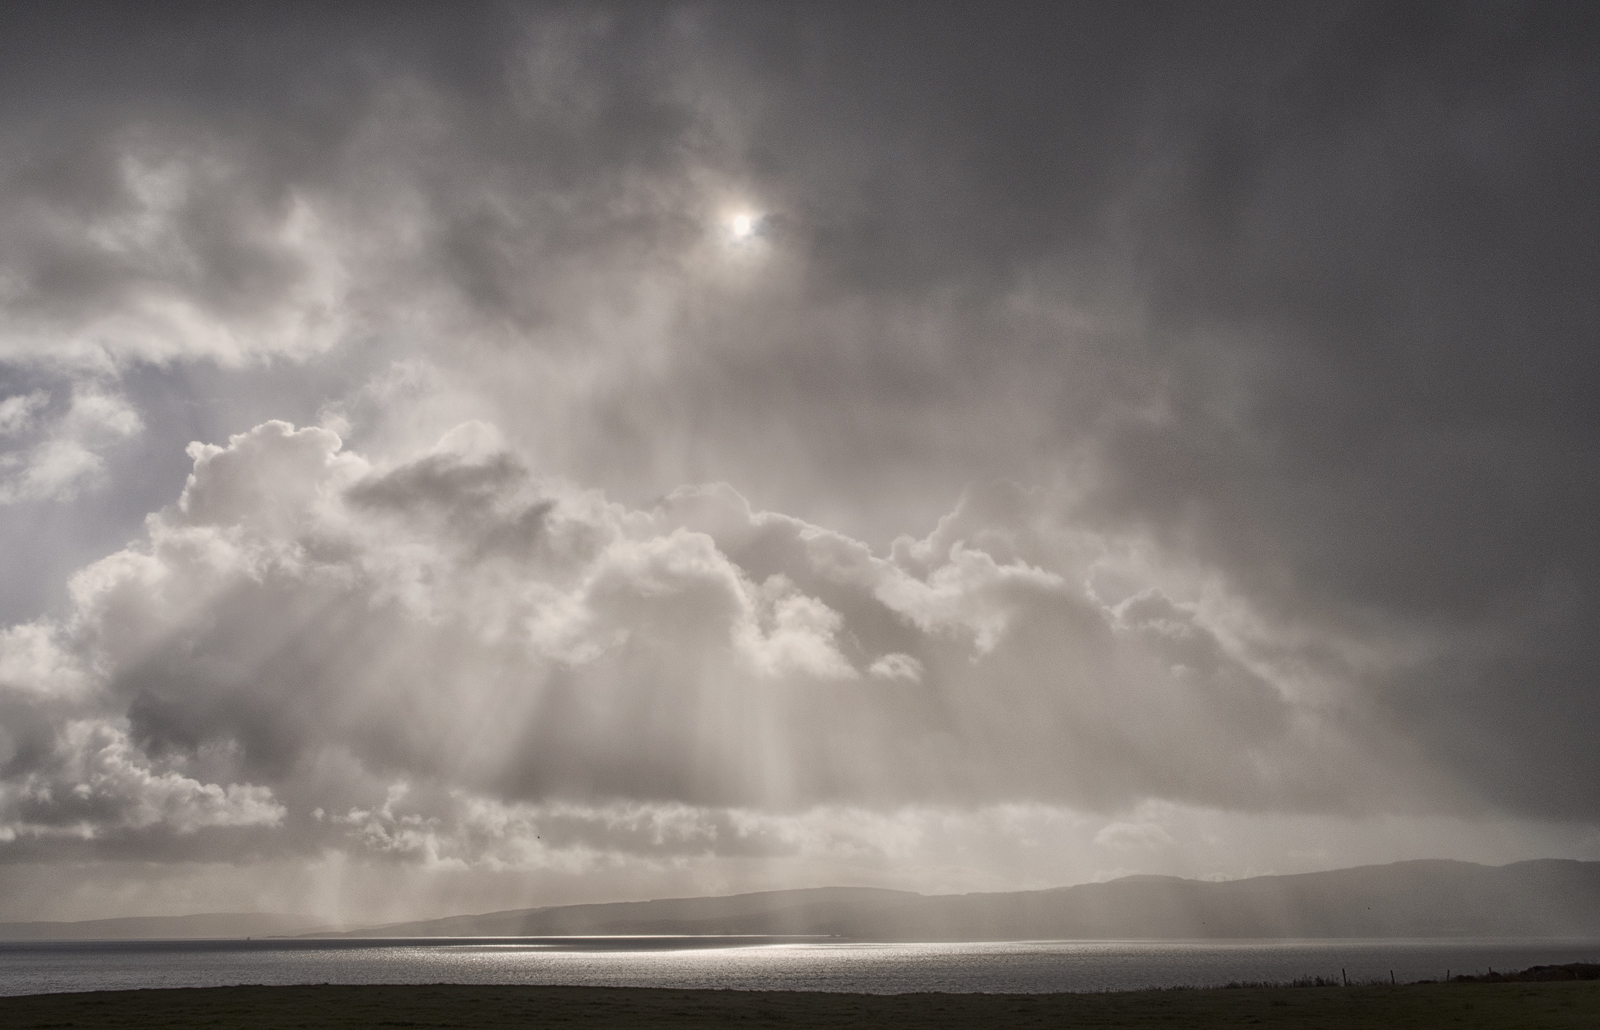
(408, 655)
(96, 783)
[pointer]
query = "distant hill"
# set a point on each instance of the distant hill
(1546, 898)
(213, 925)
(820, 910)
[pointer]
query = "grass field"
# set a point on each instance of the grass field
(1537, 1006)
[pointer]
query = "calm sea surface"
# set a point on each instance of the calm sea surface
(754, 963)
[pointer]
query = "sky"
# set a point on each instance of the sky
(476, 456)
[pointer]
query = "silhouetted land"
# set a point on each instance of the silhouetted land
(1541, 1004)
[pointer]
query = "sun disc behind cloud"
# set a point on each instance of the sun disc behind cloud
(742, 225)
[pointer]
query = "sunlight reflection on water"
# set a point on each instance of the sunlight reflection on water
(756, 964)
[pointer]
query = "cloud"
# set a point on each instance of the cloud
(63, 456)
(1257, 344)
(17, 412)
(406, 647)
(1134, 836)
(97, 783)
(896, 667)
(170, 259)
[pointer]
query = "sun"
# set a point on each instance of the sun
(742, 225)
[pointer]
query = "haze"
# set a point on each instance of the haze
(485, 456)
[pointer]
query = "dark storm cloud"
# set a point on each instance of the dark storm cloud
(1291, 305)
(1361, 237)
(1395, 227)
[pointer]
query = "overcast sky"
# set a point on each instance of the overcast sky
(475, 456)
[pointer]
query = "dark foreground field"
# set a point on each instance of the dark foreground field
(1546, 1006)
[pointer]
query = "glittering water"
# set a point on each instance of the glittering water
(755, 963)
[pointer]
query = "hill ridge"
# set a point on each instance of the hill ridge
(1419, 897)
(1413, 898)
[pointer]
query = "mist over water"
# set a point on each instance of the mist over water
(760, 964)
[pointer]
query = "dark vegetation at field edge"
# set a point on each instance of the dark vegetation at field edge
(1541, 1005)
(1536, 974)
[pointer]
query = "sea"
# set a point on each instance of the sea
(760, 963)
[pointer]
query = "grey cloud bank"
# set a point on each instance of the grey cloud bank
(1120, 431)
